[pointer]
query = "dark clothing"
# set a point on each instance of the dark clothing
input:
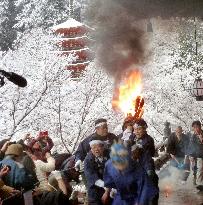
(178, 147)
(148, 151)
(18, 177)
(133, 185)
(195, 147)
(147, 143)
(84, 146)
(147, 162)
(94, 169)
(51, 198)
(1, 155)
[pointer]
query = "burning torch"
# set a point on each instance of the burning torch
(127, 97)
(138, 112)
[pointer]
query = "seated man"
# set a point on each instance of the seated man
(94, 167)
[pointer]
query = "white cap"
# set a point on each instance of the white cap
(93, 142)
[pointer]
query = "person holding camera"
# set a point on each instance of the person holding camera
(41, 145)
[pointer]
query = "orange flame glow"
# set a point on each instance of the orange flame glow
(167, 190)
(125, 96)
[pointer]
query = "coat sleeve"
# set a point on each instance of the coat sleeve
(90, 173)
(108, 180)
(82, 149)
(49, 145)
(147, 190)
(24, 179)
(170, 148)
(149, 147)
(147, 162)
(48, 166)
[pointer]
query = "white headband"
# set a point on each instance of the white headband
(94, 142)
(136, 126)
(100, 124)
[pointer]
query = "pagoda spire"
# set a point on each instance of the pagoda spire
(70, 8)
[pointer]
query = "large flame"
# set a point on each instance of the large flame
(125, 96)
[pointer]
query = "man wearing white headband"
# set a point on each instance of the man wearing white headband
(94, 164)
(101, 133)
(143, 149)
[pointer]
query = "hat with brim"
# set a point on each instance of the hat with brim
(14, 149)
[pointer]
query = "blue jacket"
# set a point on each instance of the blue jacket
(84, 146)
(18, 177)
(133, 185)
(94, 170)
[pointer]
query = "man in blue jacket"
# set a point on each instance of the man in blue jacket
(143, 151)
(101, 133)
(94, 164)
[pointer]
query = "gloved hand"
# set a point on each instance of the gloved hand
(57, 174)
(78, 165)
(99, 183)
(113, 192)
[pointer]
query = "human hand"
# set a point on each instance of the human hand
(4, 171)
(5, 146)
(105, 198)
(47, 155)
(78, 165)
(172, 156)
(27, 136)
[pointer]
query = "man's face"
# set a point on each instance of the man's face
(102, 130)
(196, 129)
(139, 132)
(179, 131)
(97, 150)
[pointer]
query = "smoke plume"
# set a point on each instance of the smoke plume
(120, 28)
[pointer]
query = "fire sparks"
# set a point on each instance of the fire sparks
(127, 98)
(167, 190)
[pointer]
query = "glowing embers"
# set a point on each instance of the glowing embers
(167, 190)
(127, 97)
